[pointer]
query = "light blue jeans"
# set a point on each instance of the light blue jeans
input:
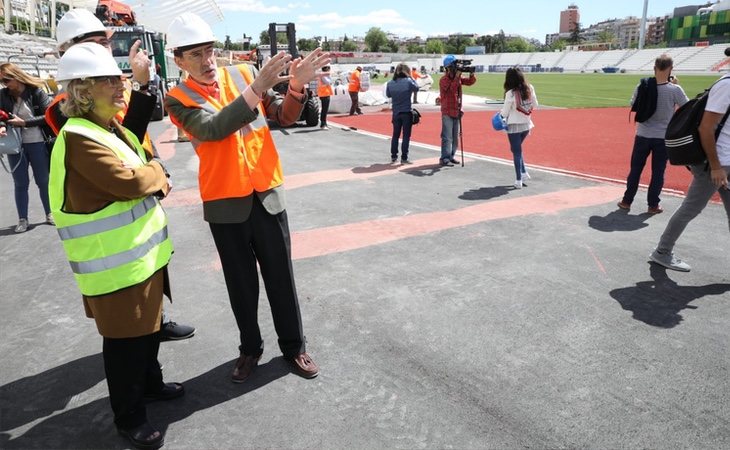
(449, 136)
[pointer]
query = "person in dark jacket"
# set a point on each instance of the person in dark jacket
(24, 102)
(400, 89)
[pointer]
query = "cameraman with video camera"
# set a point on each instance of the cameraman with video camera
(450, 93)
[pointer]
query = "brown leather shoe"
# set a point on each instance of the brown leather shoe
(244, 368)
(304, 366)
(655, 210)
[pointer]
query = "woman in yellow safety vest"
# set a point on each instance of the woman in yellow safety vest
(104, 194)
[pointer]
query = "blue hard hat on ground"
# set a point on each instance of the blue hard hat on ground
(498, 122)
(449, 60)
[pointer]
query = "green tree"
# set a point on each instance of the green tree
(487, 41)
(375, 39)
(558, 44)
(414, 48)
(575, 37)
(307, 45)
(435, 46)
(608, 37)
(457, 44)
(326, 46)
(264, 38)
(519, 45)
(348, 45)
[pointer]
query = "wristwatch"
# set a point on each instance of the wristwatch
(140, 87)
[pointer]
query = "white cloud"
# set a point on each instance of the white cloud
(377, 18)
(255, 6)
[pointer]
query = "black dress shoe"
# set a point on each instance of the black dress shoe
(172, 331)
(168, 392)
(143, 436)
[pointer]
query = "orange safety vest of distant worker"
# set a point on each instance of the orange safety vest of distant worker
(324, 90)
(242, 162)
(354, 84)
(51, 117)
(414, 74)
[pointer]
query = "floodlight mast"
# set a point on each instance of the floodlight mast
(642, 29)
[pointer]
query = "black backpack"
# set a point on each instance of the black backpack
(645, 102)
(682, 137)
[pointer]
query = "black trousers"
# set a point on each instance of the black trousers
(355, 107)
(263, 238)
(131, 371)
(323, 112)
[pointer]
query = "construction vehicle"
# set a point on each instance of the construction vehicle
(310, 113)
(163, 70)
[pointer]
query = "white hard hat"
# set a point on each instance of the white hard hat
(188, 29)
(86, 60)
(77, 23)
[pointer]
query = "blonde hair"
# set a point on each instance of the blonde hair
(13, 71)
(79, 101)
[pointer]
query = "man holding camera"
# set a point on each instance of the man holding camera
(450, 93)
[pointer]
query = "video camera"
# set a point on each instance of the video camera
(464, 65)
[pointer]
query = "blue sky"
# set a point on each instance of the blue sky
(532, 18)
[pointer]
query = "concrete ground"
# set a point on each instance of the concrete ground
(445, 309)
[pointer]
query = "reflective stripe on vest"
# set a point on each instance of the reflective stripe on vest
(122, 244)
(242, 162)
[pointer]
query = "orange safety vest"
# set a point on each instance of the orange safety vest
(56, 127)
(414, 74)
(354, 84)
(242, 162)
(324, 90)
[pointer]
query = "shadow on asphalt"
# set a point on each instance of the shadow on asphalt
(486, 193)
(377, 167)
(619, 220)
(659, 302)
(424, 171)
(91, 426)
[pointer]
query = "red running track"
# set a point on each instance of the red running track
(594, 142)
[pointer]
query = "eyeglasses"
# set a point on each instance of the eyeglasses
(111, 80)
(200, 54)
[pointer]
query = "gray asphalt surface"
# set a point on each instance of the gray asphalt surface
(539, 324)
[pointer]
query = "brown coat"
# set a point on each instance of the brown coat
(95, 177)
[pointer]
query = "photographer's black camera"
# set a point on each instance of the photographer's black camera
(464, 65)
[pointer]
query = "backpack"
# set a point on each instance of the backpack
(682, 137)
(644, 104)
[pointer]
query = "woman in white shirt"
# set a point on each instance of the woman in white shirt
(519, 101)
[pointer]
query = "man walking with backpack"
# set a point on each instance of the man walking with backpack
(708, 177)
(654, 100)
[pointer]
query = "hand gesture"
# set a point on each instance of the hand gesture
(16, 122)
(271, 73)
(3, 131)
(139, 62)
(304, 70)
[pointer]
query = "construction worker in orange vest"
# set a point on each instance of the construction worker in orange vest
(224, 111)
(353, 87)
(80, 25)
(415, 75)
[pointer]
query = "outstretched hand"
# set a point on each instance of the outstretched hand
(139, 62)
(271, 73)
(305, 70)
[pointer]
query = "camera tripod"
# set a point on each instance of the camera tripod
(460, 144)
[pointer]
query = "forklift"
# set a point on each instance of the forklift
(310, 113)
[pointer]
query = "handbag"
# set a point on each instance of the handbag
(10, 144)
(416, 116)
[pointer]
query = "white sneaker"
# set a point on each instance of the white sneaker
(22, 226)
(526, 176)
(518, 184)
(49, 219)
(669, 261)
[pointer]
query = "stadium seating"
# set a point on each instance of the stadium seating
(608, 58)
